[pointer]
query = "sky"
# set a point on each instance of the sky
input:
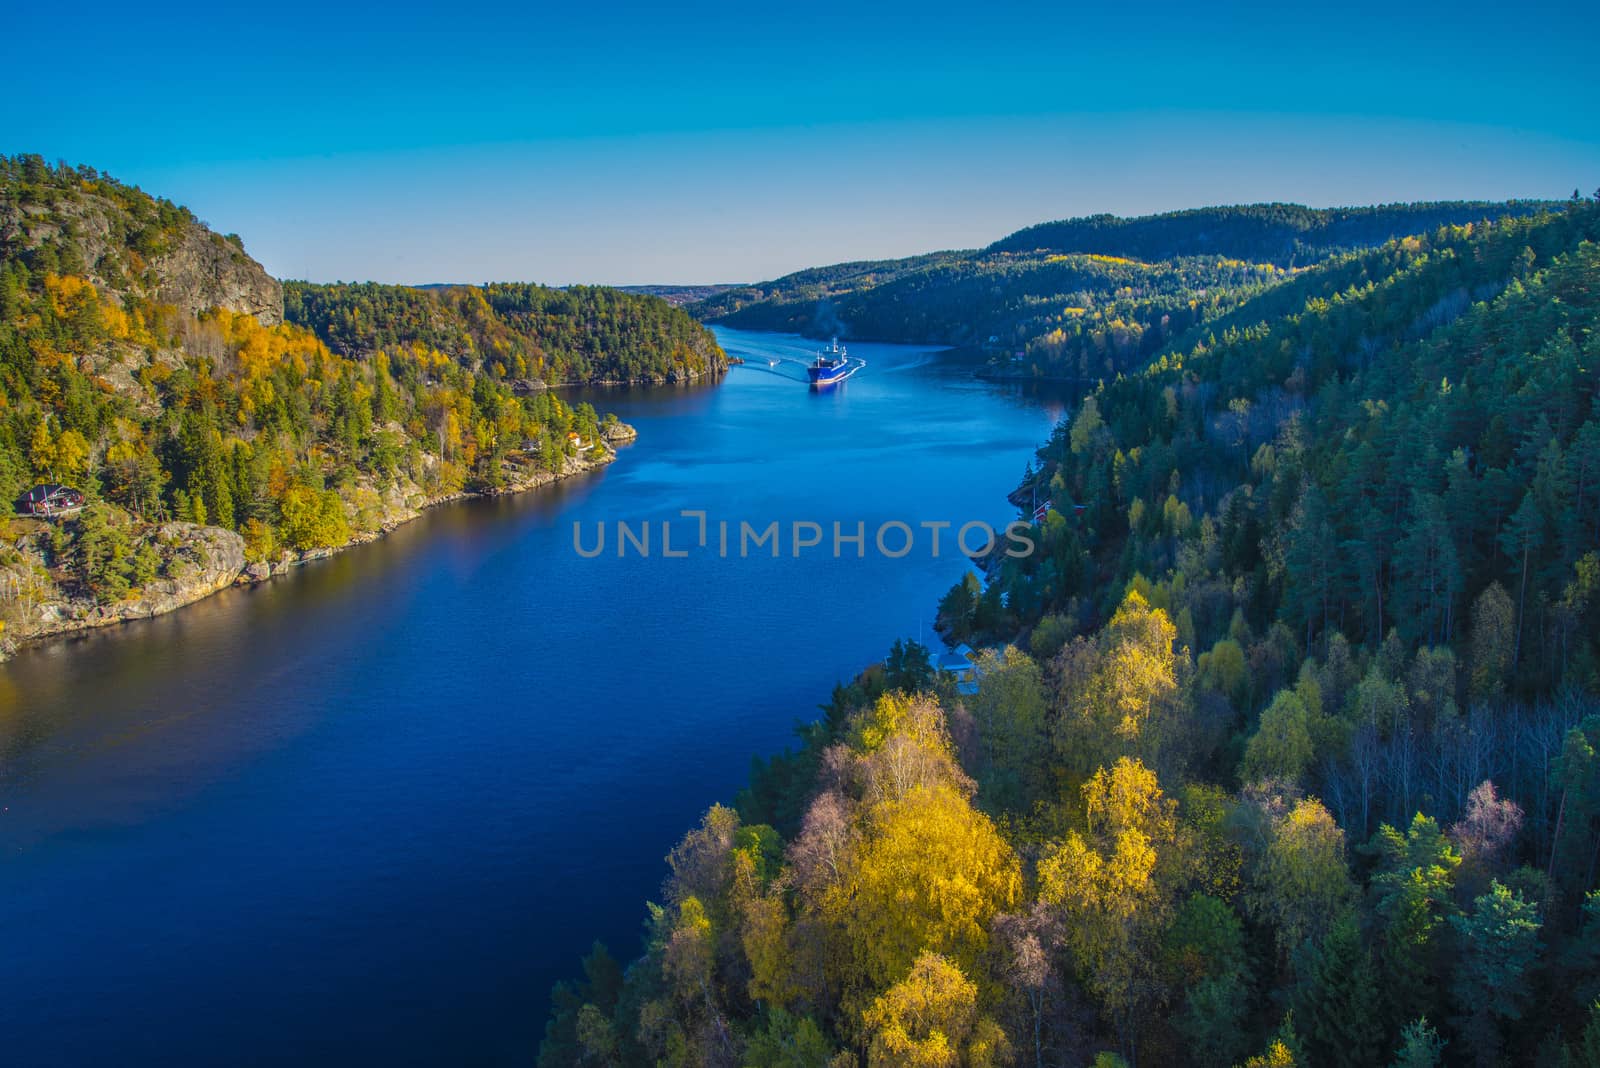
(695, 143)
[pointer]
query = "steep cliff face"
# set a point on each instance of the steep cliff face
(206, 270)
(139, 248)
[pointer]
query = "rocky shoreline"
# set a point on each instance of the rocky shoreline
(204, 560)
(674, 378)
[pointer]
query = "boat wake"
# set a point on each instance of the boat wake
(797, 370)
(786, 367)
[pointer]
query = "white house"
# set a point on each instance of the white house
(962, 663)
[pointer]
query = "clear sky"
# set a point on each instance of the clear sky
(686, 142)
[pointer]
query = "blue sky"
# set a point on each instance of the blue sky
(697, 142)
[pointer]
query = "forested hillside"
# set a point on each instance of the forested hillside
(677, 295)
(583, 334)
(782, 301)
(1283, 748)
(1082, 299)
(1285, 235)
(144, 362)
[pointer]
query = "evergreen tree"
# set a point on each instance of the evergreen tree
(1413, 892)
(1337, 1006)
(1311, 562)
(1499, 945)
(1420, 1046)
(1523, 537)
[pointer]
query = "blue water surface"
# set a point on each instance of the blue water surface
(371, 810)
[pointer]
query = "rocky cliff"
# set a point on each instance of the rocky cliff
(43, 597)
(40, 597)
(142, 249)
(206, 270)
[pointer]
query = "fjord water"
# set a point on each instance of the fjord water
(371, 810)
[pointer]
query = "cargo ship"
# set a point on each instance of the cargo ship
(830, 366)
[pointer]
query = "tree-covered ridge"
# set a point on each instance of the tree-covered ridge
(1069, 314)
(678, 295)
(1282, 749)
(1114, 293)
(1287, 235)
(1364, 452)
(581, 334)
(36, 223)
(812, 285)
(161, 412)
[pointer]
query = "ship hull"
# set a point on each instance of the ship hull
(825, 376)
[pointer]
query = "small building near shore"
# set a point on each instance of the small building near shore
(961, 663)
(49, 499)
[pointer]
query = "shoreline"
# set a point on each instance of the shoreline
(538, 385)
(1004, 376)
(64, 619)
(955, 352)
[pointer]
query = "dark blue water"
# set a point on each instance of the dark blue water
(372, 810)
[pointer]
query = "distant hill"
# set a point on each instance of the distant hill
(678, 295)
(775, 303)
(1287, 235)
(1084, 298)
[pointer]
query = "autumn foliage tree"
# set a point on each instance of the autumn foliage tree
(1113, 887)
(930, 1019)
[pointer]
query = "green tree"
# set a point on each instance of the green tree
(788, 1041)
(1223, 669)
(1281, 747)
(1205, 951)
(1413, 896)
(958, 609)
(907, 667)
(104, 556)
(1587, 1053)
(1494, 636)
(1522, 538)
(1086, 425)
(1301, 884)
(1337, 1007)
(144, 565)
(1311, 562)
(1212, 1020)
(1009, 711)
(597, 1039)
(1420, 1046)
(578, 1031)
(1575, 775)
(1427, 557)
(1499, 945)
